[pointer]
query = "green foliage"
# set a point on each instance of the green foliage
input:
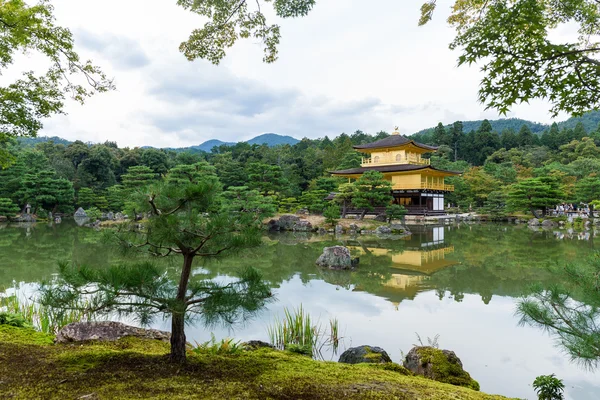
(495, 205)
(223, 346)
(240, 199)
(16, 320)
(8, 208)
(314, 200)
(297, 332)
(288, 205)
(26, 101)
(93, 213)
(548, 387)
(395, 211)
(332, 214)
(44, 189)
(371, 190)
(138, 177)
(85, 197)
(534, 193)
(187, 220)
(115, 198)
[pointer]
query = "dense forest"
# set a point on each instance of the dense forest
(498, 167)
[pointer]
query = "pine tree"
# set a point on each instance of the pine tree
(525, 137)
(186, 222)
(588, 190)
(372, 190)
(533, 194)
(8, 209)
(85, 197)
(138, 177)
(332, 214)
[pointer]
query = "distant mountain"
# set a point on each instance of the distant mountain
(590, 121)
(273, 139)
(209, 144)
(31, 142)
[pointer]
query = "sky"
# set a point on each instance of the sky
(349, 65)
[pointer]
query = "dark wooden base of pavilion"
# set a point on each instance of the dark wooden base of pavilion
(416, 202)
(421, 202)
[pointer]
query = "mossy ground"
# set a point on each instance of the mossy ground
(31, 367)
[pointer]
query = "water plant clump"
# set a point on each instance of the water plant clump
(20, 311)
(299, 333)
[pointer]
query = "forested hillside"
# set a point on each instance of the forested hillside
(60, 177)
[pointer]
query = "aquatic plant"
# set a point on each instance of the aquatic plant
(296, 332)
(43, 318)
(430, 342)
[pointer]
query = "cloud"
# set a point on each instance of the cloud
(122, 51)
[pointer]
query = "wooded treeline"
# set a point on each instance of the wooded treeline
(499, 168)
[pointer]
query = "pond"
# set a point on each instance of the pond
(461, 282)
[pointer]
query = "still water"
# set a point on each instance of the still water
(461, 282)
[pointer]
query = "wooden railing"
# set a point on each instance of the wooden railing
(408, 159)
(424, 185)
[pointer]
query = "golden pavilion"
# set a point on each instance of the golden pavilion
(415, 183)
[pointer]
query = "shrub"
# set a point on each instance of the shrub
(93, 213)
(332, 214)
(11, 319)
(395, 211)
(549, 387)
(224, 346)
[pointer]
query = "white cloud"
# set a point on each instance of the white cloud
(351, 64)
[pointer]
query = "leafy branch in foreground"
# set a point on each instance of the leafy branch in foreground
(186, 219)
(26, 101)
(575, 324)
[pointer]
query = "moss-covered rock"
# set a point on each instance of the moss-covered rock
(365, 354)
(440, 365)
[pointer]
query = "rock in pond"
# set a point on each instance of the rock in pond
(548, 223)
(106, 331)
(439, 365)
(383, 230)
(365, 354)
(337, 257)
(80, 213)
(534, 222)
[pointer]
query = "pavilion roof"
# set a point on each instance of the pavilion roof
(393, 141)
(390, 168)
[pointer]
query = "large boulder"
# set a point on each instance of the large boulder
(80, 213)
(439, 365)
(339, 229)
(287, 222)
(337, 257)
(106, 331)
(534, 222)
(548, 223)
(399, 229)
(302, 226)
(257, 344)
(365, 354)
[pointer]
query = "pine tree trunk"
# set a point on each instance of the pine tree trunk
(362, 215)
(178, 340)
(344, 207)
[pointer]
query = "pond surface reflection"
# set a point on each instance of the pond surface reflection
(461, 282)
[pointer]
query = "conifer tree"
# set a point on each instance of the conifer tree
(534, 193)
(371, 190)
(8, 209)
(186, 221)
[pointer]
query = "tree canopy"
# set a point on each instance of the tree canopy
(29, 99)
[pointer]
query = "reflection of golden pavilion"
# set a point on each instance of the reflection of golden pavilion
(412, 266)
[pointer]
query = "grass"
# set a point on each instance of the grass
(297, 332)
(43, 318)
(32, 367)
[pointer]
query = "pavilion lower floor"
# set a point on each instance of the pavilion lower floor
(421, 202)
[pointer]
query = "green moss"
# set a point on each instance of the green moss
(134, 368)
(445, 371)
(29, 336)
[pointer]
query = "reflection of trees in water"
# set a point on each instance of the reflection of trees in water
(490, 259)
